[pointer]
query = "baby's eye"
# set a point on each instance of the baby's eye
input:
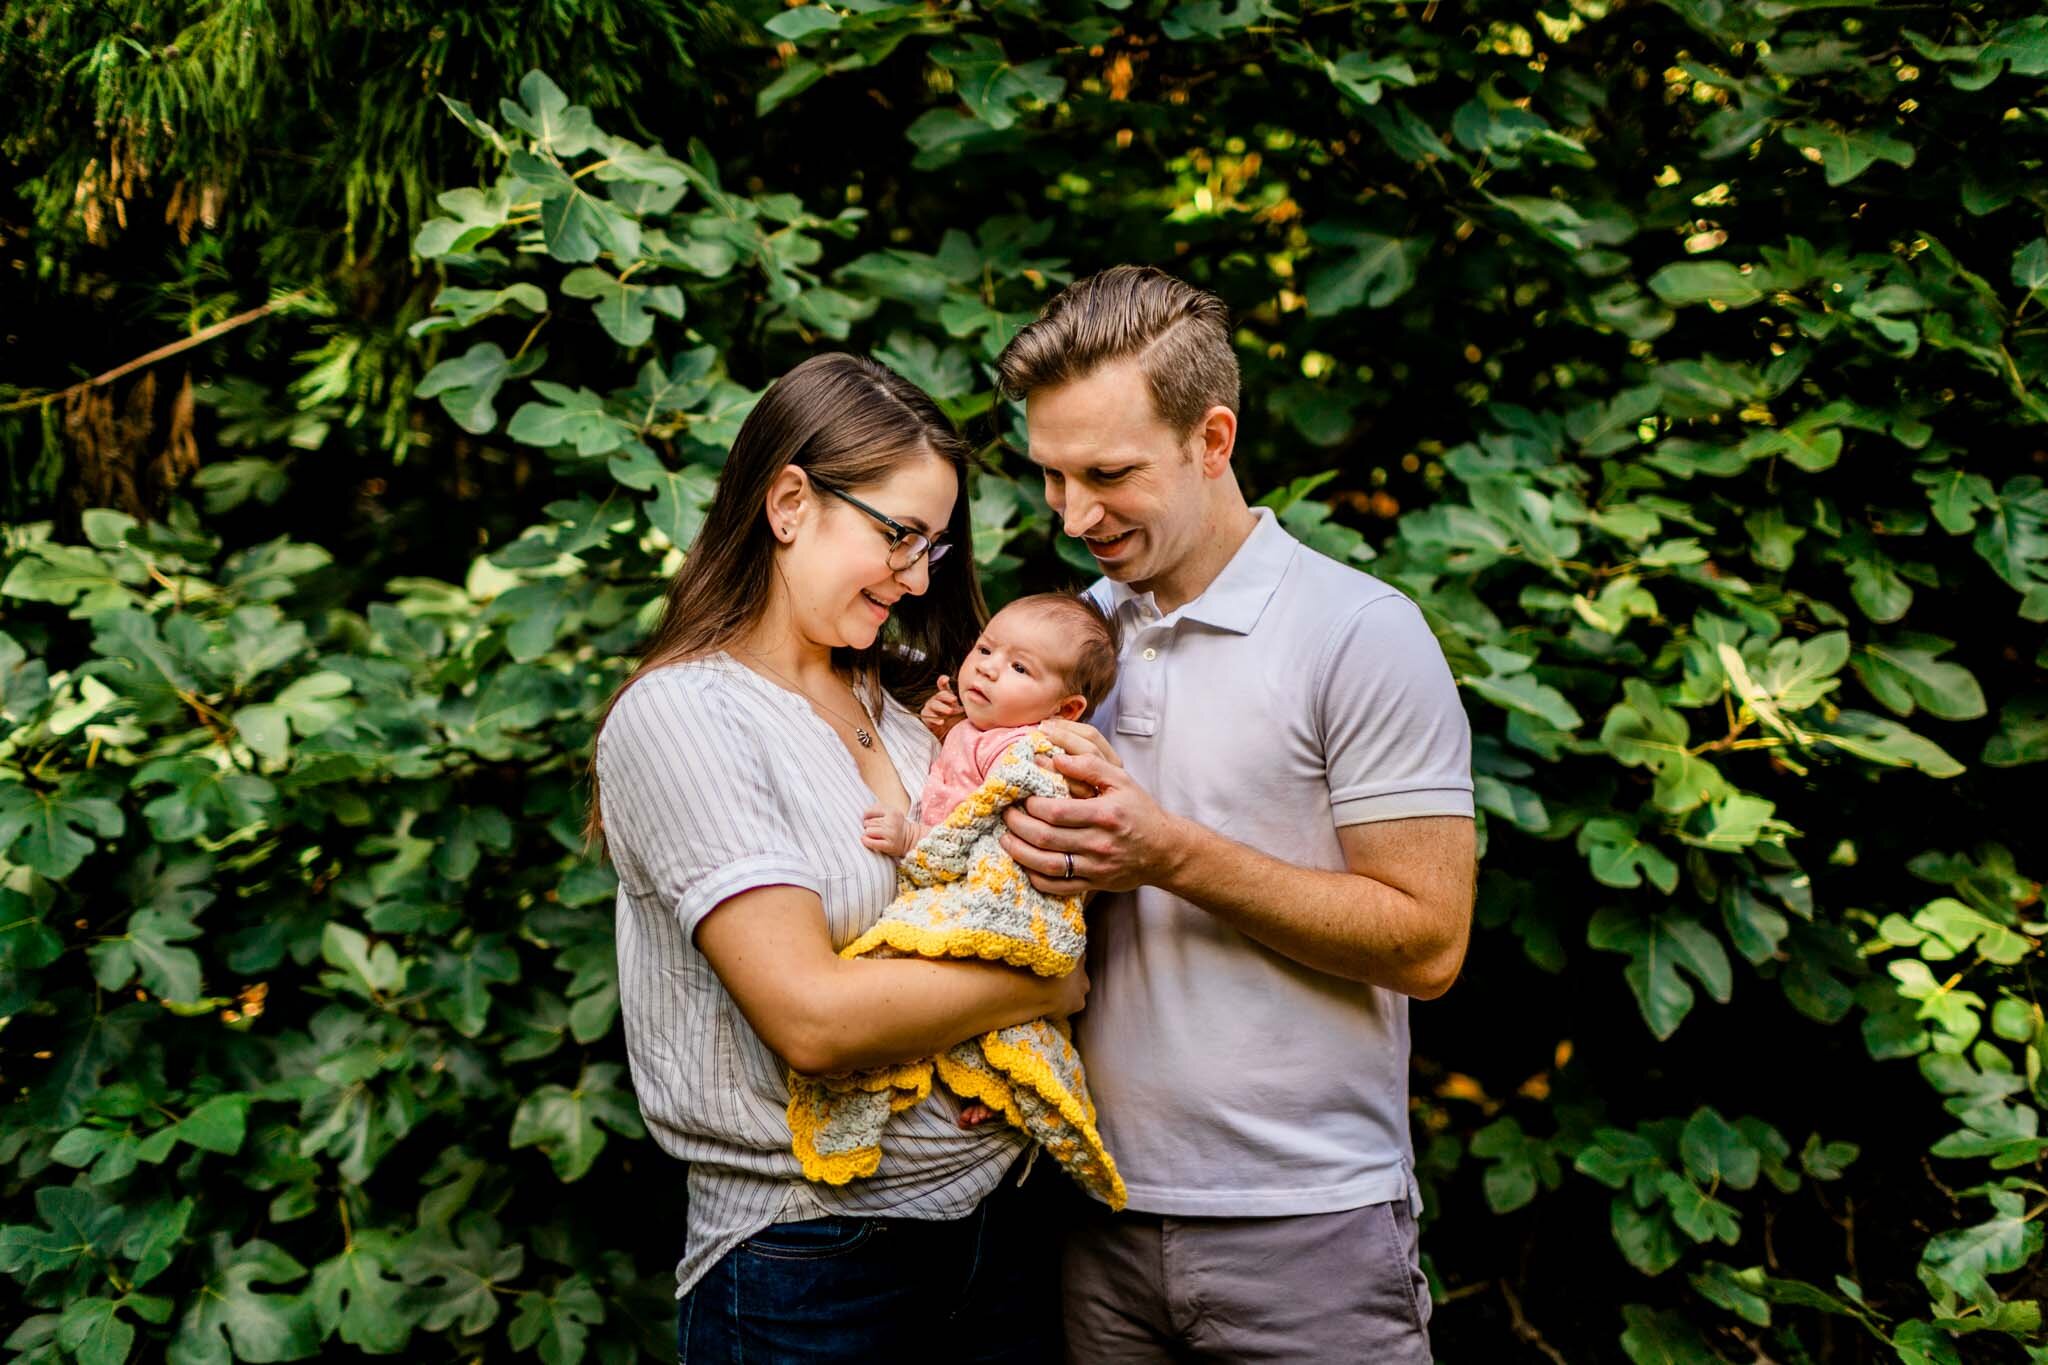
(1021, 669)
(981, 649)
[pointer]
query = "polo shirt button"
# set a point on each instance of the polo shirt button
(1149, 655)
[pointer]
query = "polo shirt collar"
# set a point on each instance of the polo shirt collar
(1236, 597)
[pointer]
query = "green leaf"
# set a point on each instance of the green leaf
(229, 1319)
(1885, 741)
(576, 226)
(990, 85)
(1619, 858)
(52, 831)
(1908, 671)
(1715, 1152)
(1965, 1258)
(356, 1294)
(468, 385)
(1621, 1160)
(2022, 733)
(558, 1323)
(564, 1123)
(1827, 1161)
(1658, 1338)
(1645, 1237)
(1643, 732)
(1511, 686)
(219, 1125)
(1659, 946)
(625, 311)
(149, 948)
(1517, 1164)
(457, 1282)
(795, 25)
(554, 124)
(1698, 1214)
(1377, 270)
(1845, 154)
(370, 971)
(2030, 265)
(573, 417)
(64, 575)
(1687, 282)
(90, 1330)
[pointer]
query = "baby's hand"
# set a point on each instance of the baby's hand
(974, 1114)
(943, 709)
(887, 831)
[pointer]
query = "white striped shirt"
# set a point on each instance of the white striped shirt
(715, 781)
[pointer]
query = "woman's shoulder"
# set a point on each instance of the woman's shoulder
(708, 694)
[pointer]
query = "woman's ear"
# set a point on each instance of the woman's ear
(784, 506)
(1073, 708)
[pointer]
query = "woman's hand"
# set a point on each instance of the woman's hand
(1070, 992)
(940, 713)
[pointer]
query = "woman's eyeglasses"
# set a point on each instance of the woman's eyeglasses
(907, 545)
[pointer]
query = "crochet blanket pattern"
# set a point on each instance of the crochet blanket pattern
(960, 895)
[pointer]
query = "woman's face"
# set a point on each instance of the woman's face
(836, 561)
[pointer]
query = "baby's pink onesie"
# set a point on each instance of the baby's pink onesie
(962, 765)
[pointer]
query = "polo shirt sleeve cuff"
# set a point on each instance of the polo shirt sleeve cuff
(706, 894)
(1370, 807)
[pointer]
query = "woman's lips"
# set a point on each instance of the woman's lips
(881, 610)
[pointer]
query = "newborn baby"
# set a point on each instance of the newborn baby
(1051, 654)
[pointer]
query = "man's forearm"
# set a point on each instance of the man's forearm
(1341, 923)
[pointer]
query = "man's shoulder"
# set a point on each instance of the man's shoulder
(1322, 593)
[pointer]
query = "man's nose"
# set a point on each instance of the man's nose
(1080, 514)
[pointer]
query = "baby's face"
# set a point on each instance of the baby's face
(1016, 674)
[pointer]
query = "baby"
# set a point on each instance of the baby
(1045, 656)
(1042, 656)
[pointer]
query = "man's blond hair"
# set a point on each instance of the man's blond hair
(1178, 334)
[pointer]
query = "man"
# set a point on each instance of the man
(1283, 815)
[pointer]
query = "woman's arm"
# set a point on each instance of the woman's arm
(822, 1013)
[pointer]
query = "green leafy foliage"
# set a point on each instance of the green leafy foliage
(1687, 379)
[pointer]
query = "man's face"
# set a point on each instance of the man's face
(1016, 674)
(1116, 474)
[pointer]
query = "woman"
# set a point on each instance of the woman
(732, 771)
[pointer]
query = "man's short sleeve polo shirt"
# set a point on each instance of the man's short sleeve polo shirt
(1294, 696)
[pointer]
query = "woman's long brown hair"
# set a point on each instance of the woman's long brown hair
(849, 422)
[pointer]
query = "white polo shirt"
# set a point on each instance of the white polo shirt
(1294, 696)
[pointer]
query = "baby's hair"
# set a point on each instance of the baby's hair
(1097, 639)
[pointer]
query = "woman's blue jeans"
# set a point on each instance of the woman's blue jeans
(982, 1288)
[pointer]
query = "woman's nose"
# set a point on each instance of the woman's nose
(917, 577)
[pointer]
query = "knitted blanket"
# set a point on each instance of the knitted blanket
(960, 895)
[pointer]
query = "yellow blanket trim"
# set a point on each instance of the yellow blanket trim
(1019, 1081)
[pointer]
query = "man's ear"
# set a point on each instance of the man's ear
(1073, 708)
(1215, 438)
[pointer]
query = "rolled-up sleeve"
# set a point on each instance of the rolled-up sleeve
(1395, 738)
(690, 813)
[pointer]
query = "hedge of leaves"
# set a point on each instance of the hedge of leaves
(1684, 361)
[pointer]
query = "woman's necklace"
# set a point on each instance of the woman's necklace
(860, 732)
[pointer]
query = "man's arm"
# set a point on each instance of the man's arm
(1400, 917)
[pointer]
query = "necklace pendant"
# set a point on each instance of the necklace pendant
(867, 741)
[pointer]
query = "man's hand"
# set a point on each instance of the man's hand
(943, 710)
(888, 831)
(1119, 837)
(1077, 738)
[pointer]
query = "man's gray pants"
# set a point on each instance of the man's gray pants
(1327, 1287)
